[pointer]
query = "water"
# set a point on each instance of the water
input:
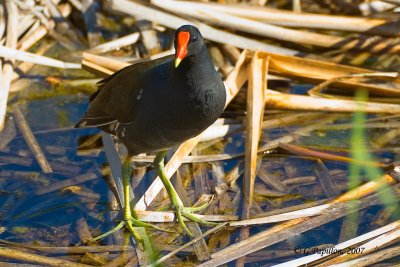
(52, 219)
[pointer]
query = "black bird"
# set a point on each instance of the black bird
(155, 105)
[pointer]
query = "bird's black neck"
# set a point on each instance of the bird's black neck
(199, 66)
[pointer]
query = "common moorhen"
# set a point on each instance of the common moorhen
(155, 105)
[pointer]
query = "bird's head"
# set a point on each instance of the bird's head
(188, 42)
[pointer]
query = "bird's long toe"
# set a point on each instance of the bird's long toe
(188, 213)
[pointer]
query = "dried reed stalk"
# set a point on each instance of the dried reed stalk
(311, 70)
(304, 20)
(263, 239)
(242, 24)
(219, 36)
(31, 141)
(19, 55)
(116, 44)
(255, 111)
(8, 68)
(300, 102)
(220, 18)
(38, 259)
(36, 34)
(343, 246)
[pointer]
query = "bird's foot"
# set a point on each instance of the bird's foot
(130, 223)
(189, 213)
(130, 218)
(180, 210)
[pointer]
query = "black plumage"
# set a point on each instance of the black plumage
(152, 106)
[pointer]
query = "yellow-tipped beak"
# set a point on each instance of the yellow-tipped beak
(177, 62)
(182, 46)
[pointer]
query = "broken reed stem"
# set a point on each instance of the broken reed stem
(34, 58)
(116, 168)
(220, 17)
(31, 140)
(376, 257)
(276, 233)
(368, 247)
(210, 33)
(255, 111)
(358, 241)
(116, 44)
(317, 71)
(38, 259)
(8, 68)
(36, 34)
(296, 19)
(301, 102)
(305, 152)
(65, 183)
(123, 259)
(172, 253)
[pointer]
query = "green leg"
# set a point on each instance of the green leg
(180, 210)
(130, 219)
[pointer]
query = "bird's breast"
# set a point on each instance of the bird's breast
(172, 111)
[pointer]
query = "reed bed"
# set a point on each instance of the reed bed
(301, 169)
